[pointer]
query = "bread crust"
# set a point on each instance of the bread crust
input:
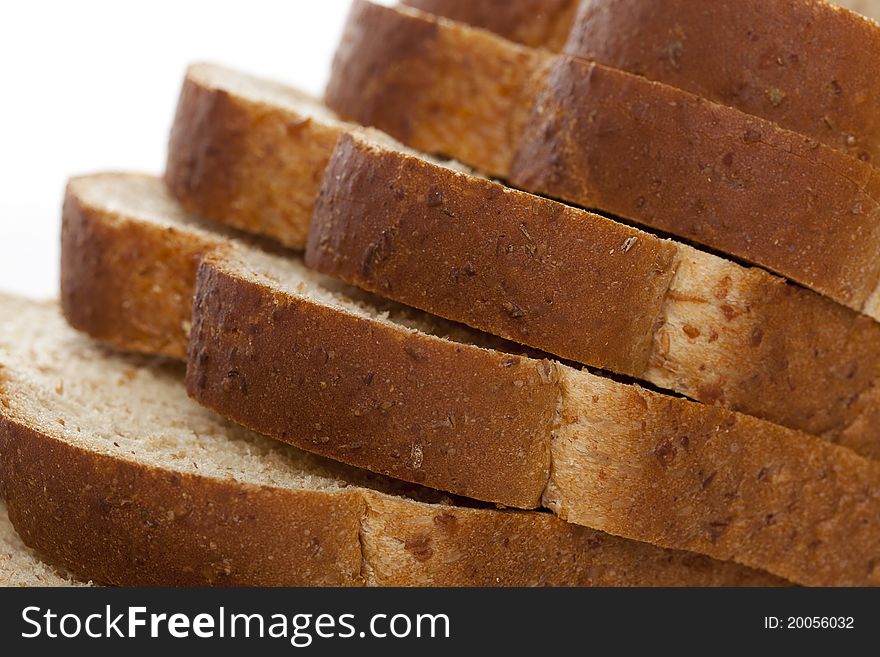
(505, 262)
(806, 65)
(259, 353)
(597, 292)
(445, 415)
(825, 239)
(385, 85)
(533, 23)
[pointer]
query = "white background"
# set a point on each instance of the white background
(91, 85)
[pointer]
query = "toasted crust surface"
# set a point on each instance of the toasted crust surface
(710, 174)
(706, 172)
(804, 64)
(597, 292)
(433, 412)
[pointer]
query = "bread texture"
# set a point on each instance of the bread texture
(20, 567)
(804, 64)
(601, 137)
(394, 224)
(293, 355)
(111, 471)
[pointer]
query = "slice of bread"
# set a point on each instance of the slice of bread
(19, 566)
(335, 371)
(110, 470)
(805, 64)
(559, 279)
(600, 137)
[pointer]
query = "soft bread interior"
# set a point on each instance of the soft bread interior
(19, 566)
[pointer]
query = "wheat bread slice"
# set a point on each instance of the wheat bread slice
(21, 567)
(603, 138)
(807, 65)
(310, 361)
(109, 469)
(644, 307)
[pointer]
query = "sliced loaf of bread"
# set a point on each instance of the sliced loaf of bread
(111, 471)
(603, 138)
(807, 65)
(335, 371)
(562, 280)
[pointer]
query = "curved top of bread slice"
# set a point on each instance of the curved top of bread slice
(19, 566)
(111, 471)
(604, 138)
(338, 376)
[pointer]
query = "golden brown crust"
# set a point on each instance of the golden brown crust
(715, 482)
(533, 23)
(126, 523)
(124, 284)
(733, 182)
(446, 415)
(409, 544)
(222, 144)
(804, 64)
(467, 249)
(825, 238)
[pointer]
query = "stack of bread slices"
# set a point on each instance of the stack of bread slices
(596, 304)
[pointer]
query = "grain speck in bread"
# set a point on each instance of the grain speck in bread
(111, 471)
(273, 351)
(600, 137)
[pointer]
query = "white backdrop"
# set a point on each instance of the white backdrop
(91, 85)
